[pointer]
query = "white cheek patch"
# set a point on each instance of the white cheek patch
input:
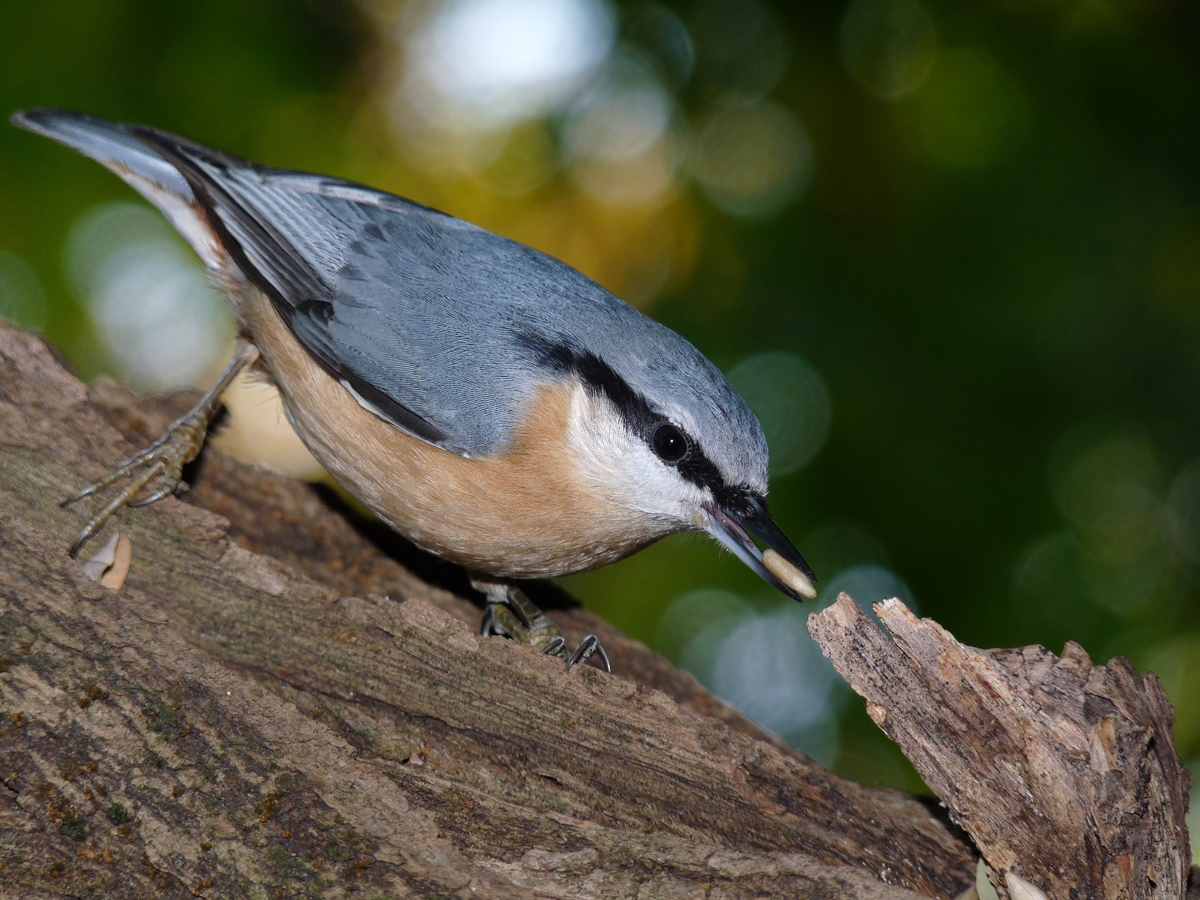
(621, 465)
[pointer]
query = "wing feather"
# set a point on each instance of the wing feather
(248, 213)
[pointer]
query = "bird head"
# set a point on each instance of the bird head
(657, 429)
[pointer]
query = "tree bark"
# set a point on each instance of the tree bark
(1063, 772)
(272, 705)
(284, 700)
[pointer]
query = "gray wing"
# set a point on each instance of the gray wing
(439, 327)
(417, 312)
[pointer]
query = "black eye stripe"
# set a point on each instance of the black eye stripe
(596, 375)
(599, 377)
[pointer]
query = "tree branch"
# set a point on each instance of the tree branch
(1063, 772)
(271, 705)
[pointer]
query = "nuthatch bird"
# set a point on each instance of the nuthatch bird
(490, 403)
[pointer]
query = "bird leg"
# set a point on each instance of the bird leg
(165, 458)
(513, 615)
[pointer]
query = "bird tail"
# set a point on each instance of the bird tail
(135, 162)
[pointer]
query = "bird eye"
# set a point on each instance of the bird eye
(669, 443)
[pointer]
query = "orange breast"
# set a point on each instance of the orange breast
(524, 514)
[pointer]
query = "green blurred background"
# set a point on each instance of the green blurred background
(950, 252)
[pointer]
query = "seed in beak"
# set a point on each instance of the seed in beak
(788, 574)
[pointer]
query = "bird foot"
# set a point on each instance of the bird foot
(513, 615)
(161, 464)
(158, 466)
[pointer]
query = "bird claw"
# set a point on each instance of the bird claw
(590, 646)
(161, 461)
(512, 615)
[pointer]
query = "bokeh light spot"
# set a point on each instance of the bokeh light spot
(692, 620)
(621, 118)
(1049, 590)
(644, 181)
(753, 161)
(888, 46)
(616, 136)
(659, 32)
(762, 661)
(791, 402)
(1103, 485)
(970, 112)
(1183, 506)
(163, 323)
(741, 49)
(506, 60)
(1127, 589)
(22, 297)
(866, 585)
(771, 669)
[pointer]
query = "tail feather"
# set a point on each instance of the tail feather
(107, 143)
(138, 164)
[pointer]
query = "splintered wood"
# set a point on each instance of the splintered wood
(1063, 772)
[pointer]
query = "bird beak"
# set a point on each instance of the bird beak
(779, 564)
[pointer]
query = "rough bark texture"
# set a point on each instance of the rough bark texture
(274, 706)
(1063, 772)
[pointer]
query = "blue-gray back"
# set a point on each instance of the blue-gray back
(446, 321)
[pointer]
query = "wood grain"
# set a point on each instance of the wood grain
(285, 700)
(1062, 771)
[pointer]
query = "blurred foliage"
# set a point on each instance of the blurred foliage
(960, 241)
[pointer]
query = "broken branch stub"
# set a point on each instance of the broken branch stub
(1062, 771)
